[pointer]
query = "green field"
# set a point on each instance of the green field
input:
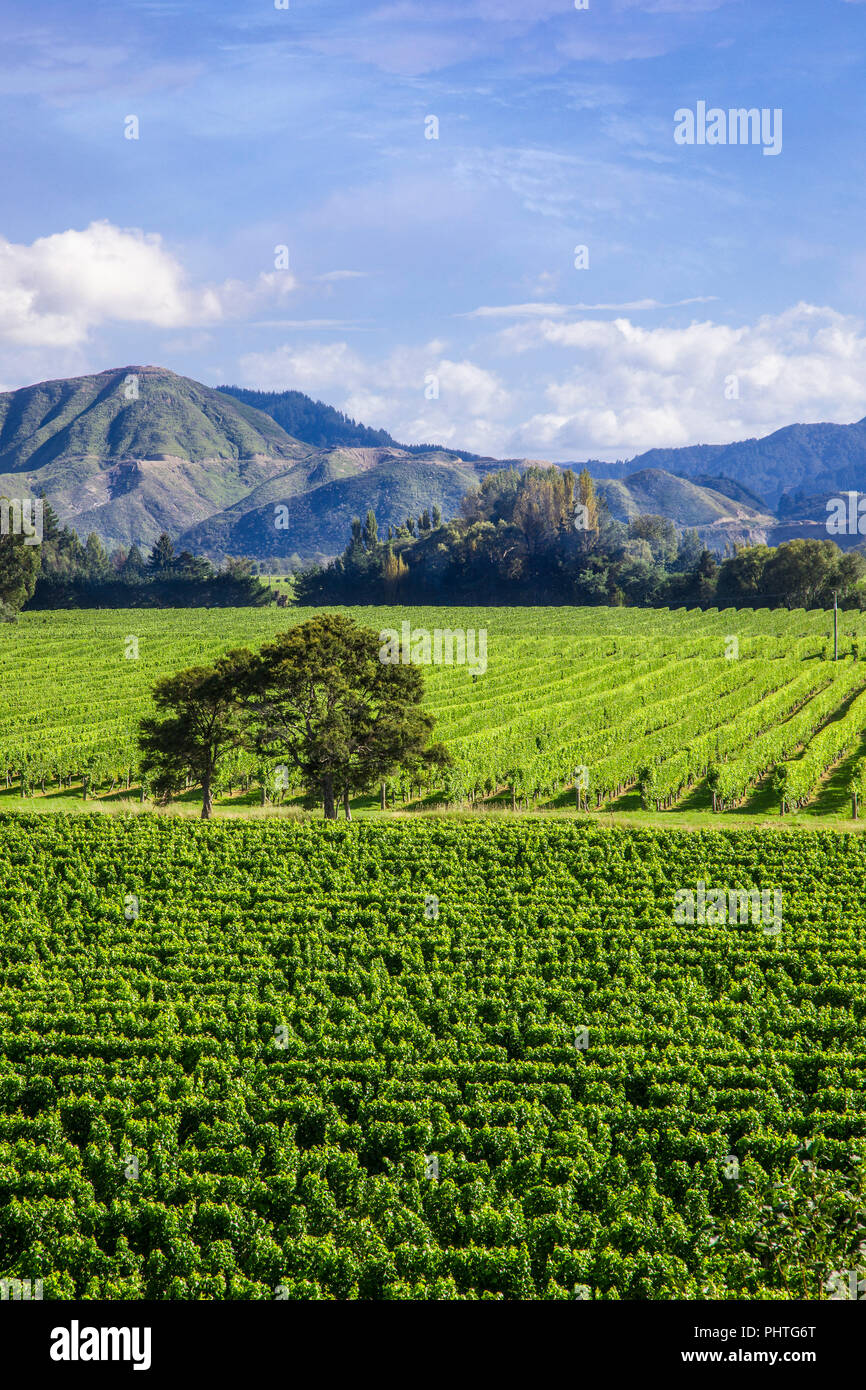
(259, 1061)
(609, 690)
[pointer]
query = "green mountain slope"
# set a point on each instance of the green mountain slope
(820, 457)
(312, 421)
(718, 519)
(319, 519)
(93, 416)
(135, 450)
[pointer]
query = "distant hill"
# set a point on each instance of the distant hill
(136, 450)
(312, 421)
(100, 417)
(818, 458)
(321, 425)
(719, 519)
(728, 488)
(320, 519)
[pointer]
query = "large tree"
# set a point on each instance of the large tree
(320, 699)
(200, 723)
(19, 570)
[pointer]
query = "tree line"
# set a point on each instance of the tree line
(64, 572)
(546, 536)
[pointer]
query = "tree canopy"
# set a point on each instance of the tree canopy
(319, 699)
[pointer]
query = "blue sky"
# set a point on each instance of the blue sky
(725, 294)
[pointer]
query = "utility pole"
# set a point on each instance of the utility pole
(835, 626)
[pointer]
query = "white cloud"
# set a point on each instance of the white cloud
(471, 410)
(57, 290)
(547, 309)
(633, 388)
(626, 388)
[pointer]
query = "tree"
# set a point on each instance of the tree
(586, 509)
(321, 698)
(97, 564)
(807, 571)
(689, 549)
(394, 567)
(437, 515)
(161, 557)
(660, 535)
(19, 569)
(371, 531)
(133, 566)
(544, 509)
(201, 724)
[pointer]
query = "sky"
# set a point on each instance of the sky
(383, 205)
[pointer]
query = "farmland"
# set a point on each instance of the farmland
(692, 696)
(427, 1060)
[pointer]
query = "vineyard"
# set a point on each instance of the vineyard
(427, 1060)
(672, 700)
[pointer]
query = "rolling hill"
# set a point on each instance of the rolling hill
(818, 458)
(719, 519)
(137, 450)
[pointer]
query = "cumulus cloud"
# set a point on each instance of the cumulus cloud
(620, 388)
(631, 388)
(55, 291)
(419, 394)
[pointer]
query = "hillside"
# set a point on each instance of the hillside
(312, 421)
(320, 519)
(209, 466)
(718, 519)
(820, 457)
(137, 450)
(92, 417)
(129, 468)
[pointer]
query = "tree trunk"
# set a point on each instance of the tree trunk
(346, 807)
(206, 799)
(85, 788)
(328, 797)
(854, 807)
(384, 807)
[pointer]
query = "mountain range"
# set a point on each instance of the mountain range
(137, 450)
